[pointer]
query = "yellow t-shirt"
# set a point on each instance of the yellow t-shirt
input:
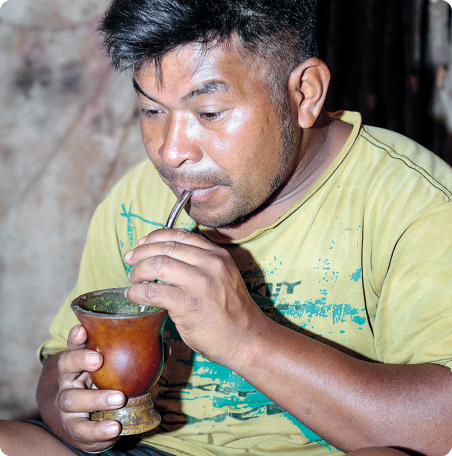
(362, 261)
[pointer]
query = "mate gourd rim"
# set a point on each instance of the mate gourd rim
(109, 302)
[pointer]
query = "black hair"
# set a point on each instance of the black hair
(142, 31)
(279, 33)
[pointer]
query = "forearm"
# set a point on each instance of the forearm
(350, 403)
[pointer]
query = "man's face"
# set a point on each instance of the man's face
(210, 125)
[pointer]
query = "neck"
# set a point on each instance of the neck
(317, 148)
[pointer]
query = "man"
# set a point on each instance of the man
(308, 284)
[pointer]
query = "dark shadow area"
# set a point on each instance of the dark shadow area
(377, 53)
(408, 451)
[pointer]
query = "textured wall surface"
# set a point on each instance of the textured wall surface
(68, 130)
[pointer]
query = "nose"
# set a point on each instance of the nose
(180, 143)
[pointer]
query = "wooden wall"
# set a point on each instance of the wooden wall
(392, 61)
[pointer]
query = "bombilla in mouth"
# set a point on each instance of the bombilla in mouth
(183, 198)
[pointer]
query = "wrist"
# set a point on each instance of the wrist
(251, 353)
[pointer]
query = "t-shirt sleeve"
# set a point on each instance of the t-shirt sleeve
(414, 313)
(102, 266)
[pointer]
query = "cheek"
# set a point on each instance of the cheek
(239, 139)
(152, 137)
(147, 135)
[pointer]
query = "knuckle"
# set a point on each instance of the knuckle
(151, 292)
(183, 234)
(62, 362)
(70, 362)
(159, 262)
(170, 248)
(206, 282)
(83, 433)
(223, 254)
(218, 264)
(75, 432)
(64, 401)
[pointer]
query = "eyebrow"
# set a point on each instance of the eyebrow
(139, 90)
(205, 88)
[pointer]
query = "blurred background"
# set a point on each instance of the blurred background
(69, 129)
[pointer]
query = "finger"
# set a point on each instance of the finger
(75, 400)
(155, 294)
(73, 362)
(77, 338)
(178, 236)
(91, 435)
(167, 269)
(142, 240)
(186, 253)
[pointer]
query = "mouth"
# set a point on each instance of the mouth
(198, 193)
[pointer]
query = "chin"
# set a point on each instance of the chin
(229, 214)
(211, 222)
(218, 221)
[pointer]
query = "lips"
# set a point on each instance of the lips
(199, 193)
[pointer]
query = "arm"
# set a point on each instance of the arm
(352, 404)
(65, 397)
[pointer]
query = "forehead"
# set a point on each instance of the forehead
(193, 65)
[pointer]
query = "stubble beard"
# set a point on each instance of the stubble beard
(240, 207)
(244, 208)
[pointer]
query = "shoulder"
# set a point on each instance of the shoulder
(392, 183)
(377, 155)
(400, 161)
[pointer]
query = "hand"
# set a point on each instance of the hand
(202, 290)
(77, 396)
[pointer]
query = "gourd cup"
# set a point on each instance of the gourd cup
(130, 342)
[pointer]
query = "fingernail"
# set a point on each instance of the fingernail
(115, 399)
(75, 331)
(125, 291)
(92, 359)
(128, 255)
(140, 241)
(112, 430)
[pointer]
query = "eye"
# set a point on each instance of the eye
(150, 113)
(211, 116)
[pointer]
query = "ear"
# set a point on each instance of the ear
(308, 85)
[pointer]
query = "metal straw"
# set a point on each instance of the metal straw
(178, 208)
(174, 214)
